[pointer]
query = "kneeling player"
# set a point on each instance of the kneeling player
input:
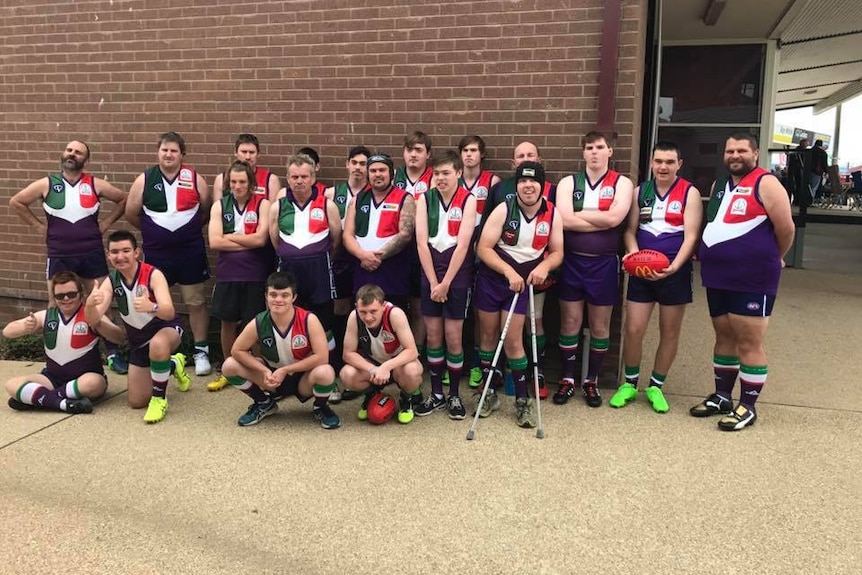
(379, 349)
(295, 357)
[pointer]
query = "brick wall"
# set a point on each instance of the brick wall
(323, 73)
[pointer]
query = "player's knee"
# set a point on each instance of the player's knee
(322, 374)
(230, 367)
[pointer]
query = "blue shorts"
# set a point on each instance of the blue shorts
(88, 266)
(672, 290)
(186, 268)
(722, 302)
(58, 382)
(315, 284)
(290, 386)
(455, 306)
(592, 278)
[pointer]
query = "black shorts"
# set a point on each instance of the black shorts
(238, 301)
(140, 355)
(290, 386)
(315, 284)
(344, 283)
(185, 267)
(722, 302)
(88, 266)
(672, 290)
(58, 382)
(455, 307)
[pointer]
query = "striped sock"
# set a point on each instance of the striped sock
(322, 393)
(436, 365)
(751, 381)
(248, 388)
(657, 379)
(632, 374)
(569, 354)
(455, 365)
(160, 372)
(726, 368)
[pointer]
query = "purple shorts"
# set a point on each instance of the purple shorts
(493, 293)
(455, 307)
(89, 266)
(592, 278)
(722, 302)
(672, 290)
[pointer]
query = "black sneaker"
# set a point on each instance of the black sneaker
(349, 394)
(456, 408)
(82, 405)
(430, 405)
(416, 399)
(327, 418)
(566, 391)
(20, 405)
(712, 405)
(591, 394)
(737, 419)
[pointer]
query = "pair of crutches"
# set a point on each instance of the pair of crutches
(540, 430)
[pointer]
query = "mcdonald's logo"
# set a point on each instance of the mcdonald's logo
(643, 271)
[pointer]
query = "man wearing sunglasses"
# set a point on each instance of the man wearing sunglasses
(73, 374)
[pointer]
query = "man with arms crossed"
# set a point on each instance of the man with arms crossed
(152, 326)
(239, 231)
(295, 358)
(665, 216)
(73, 374)
(379, 349)
(748, 231)
(169, 203)
(593, 204)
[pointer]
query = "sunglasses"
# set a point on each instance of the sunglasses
(67, 295)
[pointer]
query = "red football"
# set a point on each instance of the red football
(381, 408)
(641, 264)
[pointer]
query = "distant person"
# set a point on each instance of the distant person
(819, 167)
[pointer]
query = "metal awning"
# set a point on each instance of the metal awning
(820, 57)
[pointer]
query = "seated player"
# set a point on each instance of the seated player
(379, 349)
(294, 357)
(73, 374)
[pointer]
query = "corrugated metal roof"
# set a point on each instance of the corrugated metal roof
(822, 18)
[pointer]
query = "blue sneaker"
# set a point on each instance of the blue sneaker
(118, 364)
(327, 418)
(257, 412)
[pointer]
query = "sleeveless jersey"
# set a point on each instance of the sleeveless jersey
(72, 216)
(596, 196)
(383, 345)
(251, 265)
(738, 249)
(303, 231)
(171, 212)
(508, 189)
(377, 223)
(281, 349)
(480, 189)
(261, 180)
(140, 326)
(71, 345)
(444, 224)
(417, 188)
(523, 242)
(343, 196)
(662, 219)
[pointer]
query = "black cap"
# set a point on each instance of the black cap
(531, 171)
(381, 158)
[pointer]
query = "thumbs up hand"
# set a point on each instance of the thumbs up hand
(142, 300)
(30, 323)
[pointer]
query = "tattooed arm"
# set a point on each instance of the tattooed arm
(406, 226)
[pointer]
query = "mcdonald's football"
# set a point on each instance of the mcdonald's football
(381, 408)
(642, 264)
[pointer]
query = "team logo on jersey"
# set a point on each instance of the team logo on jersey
(510, 196)
(674, 207)
(140, 291)
(543, 229)
(316, 214)
(742, 191)
(52, 325)
(365, 209)
(86, 190)
(514, 224)
(753, 306)
(228, 216)
(340, 199)
(386, 336)
(118, 291)
(389, 207)
(80, 328)
(185, 174)
(158, 187)
(400, 185)
(260, 190)
(738, 207)
(606, 192)
(420, 188)
(579, 195)
(299, 341)
(455, 214)
(58, 188)
(481, 192)
(267, 341)
(251, 218)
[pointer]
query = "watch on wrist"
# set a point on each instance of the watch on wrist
(155, 308)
